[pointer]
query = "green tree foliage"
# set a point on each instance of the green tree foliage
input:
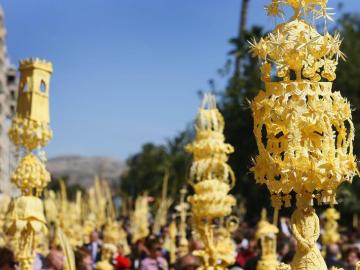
(147, 168)
(234, 105)
(348, 82)
(348, 73)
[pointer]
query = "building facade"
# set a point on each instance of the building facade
(8, 96)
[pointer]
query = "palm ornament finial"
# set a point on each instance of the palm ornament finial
(303, 129)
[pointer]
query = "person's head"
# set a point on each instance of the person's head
(120, 249)
(332, 251)
(7, 259)
(195, 245)
(352, 256)
(55, 259)
(188, 262)
(283, 247)
(83, 259)
(94, 236)
(252, 245)
(154, 247)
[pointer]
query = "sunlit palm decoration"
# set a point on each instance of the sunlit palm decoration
(182, 208)
(30, 132)
(139, 219)
(331, 229)
(266, 233)
(163, 207)
(212, 178)
(303, 130)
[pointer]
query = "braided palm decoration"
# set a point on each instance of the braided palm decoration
(30, 132)
(303, 130)
(212, 178)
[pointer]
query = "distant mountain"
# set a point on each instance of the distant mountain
(82, 170)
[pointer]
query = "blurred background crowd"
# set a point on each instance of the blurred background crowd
(153, 253)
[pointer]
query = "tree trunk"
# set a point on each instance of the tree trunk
(242, 27)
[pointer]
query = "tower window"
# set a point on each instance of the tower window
(10, 79)
(25, 87)
(42, 87)
(12, 109)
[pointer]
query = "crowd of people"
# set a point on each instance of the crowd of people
(151, 253)
(345, 254)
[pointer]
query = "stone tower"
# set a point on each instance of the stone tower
(8, 96)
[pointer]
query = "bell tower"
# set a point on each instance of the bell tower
(33, 101)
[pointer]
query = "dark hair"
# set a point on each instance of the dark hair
(7, 257)
(288, 257)
(80, 254)
(352, 250)
(281, 244)
(186, 261)
(152, 242)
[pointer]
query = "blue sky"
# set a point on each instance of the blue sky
(126, 72)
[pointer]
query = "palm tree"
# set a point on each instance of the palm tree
(242, 27)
